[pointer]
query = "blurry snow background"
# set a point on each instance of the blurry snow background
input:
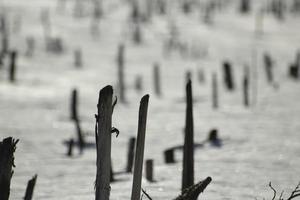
(262, 142)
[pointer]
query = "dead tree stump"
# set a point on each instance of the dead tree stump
(7, 149)
(169, 156)
(103, 143)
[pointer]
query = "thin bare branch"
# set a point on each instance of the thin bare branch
(274, 195)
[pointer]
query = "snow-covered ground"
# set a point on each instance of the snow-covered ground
(261, 142)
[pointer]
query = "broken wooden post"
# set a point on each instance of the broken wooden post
(78, 58)
(30, 188)
(228, 76)
(103, 143)
(139, 151)
(149, 170)
(215, 92)
(74, 104)
(188, 150)
(157, 82)
(268, 67)
(70, 147)
(12, 66)
(7, 149)
(121, 81)
(130, 155)
(169, 156)
(246, 86)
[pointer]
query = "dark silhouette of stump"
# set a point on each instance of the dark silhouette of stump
(169, 156)
(30, 188)
(130, 155)
(139, 151)
(103, 143)
(188, 150)
(246, 87)
(149, 170)
(214, 139)
(294, 70)
(228, 76)
(7, 149)
(268, 67)
(12, 66)
(245, 6)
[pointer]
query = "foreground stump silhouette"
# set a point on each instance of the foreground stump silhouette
(7, 149)
(103, 143)
(139, 152)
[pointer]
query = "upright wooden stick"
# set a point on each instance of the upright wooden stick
(188, 150)
(103, 143)
(7, 149)
(139, 152)
(30, 188)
